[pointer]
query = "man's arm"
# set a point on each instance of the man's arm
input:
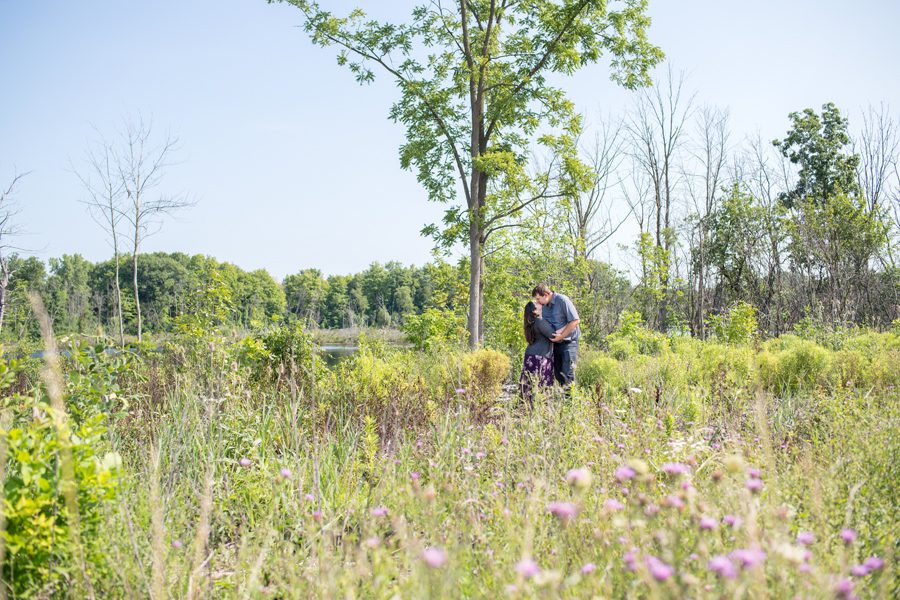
(565, 331)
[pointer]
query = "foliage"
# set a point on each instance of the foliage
(434, 329)
(40, 545)
(484, 372)
(737, 325)
(633, 337)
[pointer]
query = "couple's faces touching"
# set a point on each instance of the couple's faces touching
(543, 300)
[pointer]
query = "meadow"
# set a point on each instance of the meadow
(242, 466)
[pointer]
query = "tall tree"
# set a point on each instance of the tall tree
(475, 97)
(141, 163)
(657, 128)
(818, 145)
(8, 230)
(105, 187)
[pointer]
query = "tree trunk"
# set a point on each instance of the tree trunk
(475, 298)
(134, 269)
(4, 283)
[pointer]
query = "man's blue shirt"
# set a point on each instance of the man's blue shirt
(559, 312)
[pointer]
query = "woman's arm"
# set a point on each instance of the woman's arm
(544, 327)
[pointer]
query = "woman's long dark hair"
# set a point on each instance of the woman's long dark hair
(528, 321)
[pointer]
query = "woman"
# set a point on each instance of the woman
(538, 365)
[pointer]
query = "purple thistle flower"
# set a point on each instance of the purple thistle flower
(588, 568)
(177, 544)
(754, 485)
(859, 571)
(285, 472)
(658, 569)
(624, 473)
(379, 511)
(579, 478)
(434, 557)
(564, 511)
(527, 568)
(873, 563)
(848, 535)
(676, 468)
(748, 558)
(613, 504)
(732, 521)
(674, 501)
(844, 588)
(415, 475)
(805, 538)
(245, 462)
(707, 523)
(630, 560)
(480, 455)
(723, 567)
(309, 498)
(460, 391)
(755, 474)
(317, 515)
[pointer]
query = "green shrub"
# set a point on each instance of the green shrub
(632, 337)
(598, 373)
(282, 351)
(41, 556)
(791, 364)
(484, 372)
(736, 325)
(435, 329)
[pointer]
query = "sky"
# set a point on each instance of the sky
(291, 164)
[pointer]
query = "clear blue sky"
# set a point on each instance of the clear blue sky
(294, 165)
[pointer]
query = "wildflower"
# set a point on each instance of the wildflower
(754, 485)
(755, 474)
(379, 511)
(732, 521)
(673, 501)
(177, 544)
(480, 455)
(707, 523)
(285, 473)
(848, 535)
(675, 468)
(373, 542)
(588, 568)
(748, 558)
(859, 571)
(415, 475)
(873, 563)
(527, 568)
(658, 569)
(317, 515)
(640, 467)
(722, 566)
(613, 504)
(630, 560)
(309, 497)
(460, 391)
(624, 473)
(564, 511)
(579, 478)
(805, 538)
(651, 509)
(844, 588)
(245, 462)
(504, 441)
(434, 557)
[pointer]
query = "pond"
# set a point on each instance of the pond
(332, 354)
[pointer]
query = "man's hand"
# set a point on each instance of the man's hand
(558, 336)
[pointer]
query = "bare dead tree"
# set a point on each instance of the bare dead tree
(657, 129)
(141, 164)
(590, 218)
(8, 230)
(104, 186)
(710, 153)
(878, 146)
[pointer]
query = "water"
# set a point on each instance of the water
(332, 354)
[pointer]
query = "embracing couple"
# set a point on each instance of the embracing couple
(552, 332)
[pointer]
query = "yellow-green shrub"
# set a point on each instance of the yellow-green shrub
(599, 373)
(484, 371)
(792, 364)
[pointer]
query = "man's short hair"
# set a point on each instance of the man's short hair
(541, 289)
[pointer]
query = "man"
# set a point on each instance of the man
(560, 312)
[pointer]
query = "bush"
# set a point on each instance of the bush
(632, 337)
(484, 372)
(599, 374)
(283, 351)
(736, 325)
(41, 558)
(435, 329)
(792, 364)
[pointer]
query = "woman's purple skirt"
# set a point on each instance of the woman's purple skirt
(537, 370)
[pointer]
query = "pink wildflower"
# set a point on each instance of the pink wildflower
(379, 511)
(579, 478)
(564, 511)
(844, 588)
(848, 535)
(732, 521)
(859, 570)
(748, 558)
(527, 568)
(285, 473)
(874, 563)
(434, 557)
(177, 544)
(624, 473)
(675, 468)
(613, 504)
(245, 462)
(805, 538)
(673, 501)
(754, 485)
(588, 568)
(723, 567)
(707, 523)
(658, 569)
